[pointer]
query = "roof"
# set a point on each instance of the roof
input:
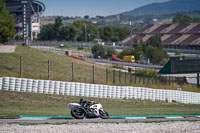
(171, 34)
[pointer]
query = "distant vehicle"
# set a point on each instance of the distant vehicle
(115, 58)
(130, 58)
(61, 45)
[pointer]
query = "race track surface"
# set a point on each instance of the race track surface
(69, 119)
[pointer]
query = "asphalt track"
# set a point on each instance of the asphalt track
(112, 119)
(126, 63)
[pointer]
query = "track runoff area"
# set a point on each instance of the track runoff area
(52, 119)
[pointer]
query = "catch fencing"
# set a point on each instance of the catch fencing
(96, 90)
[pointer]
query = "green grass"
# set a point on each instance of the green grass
(35, 67)
(18, 103)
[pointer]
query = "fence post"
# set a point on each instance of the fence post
(143, 78)
(106, 75)
(125, 78)
(135, 78)
(172, 80)
(165, 80)
(113, 76)
(73, 71)
(156, 82)
(21, 66)
(198, 85)
(139, 79)
(93, 73)
(48, 69)
(169, 78)
(119, 76)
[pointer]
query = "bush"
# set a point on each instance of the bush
(126, 52)
(98, 50)
(155, 54)
(110, 52)
(146, 73)
(80, 48)
(177, 52)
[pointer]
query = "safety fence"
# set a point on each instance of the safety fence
(63, 51)
(97, 90)
(77, 71)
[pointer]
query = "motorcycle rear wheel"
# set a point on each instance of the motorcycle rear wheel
(78, 113)
(103, 114)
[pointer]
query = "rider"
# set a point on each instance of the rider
(86, 104)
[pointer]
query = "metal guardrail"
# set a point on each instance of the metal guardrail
(89, 45)
(127, 64)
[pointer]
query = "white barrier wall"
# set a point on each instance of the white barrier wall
(96, 90)
(1, 83)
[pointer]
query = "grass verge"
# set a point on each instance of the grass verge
(18, 103)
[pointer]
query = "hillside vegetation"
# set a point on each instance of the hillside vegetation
(35, 66)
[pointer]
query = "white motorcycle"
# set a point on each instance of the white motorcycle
(87, 110)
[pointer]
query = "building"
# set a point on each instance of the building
(27, 16)
(172, 35)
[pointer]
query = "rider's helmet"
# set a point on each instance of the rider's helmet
(81, 100)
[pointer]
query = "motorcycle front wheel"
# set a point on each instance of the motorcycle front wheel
(103, 114)
(78, 113)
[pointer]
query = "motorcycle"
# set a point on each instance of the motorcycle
(90, 110)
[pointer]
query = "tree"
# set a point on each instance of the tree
(47, 32)
(57, 28)
(121, 33)
(98, 50)
(82, 30)
(196, 20)
(155, 41)
(126, 52)
(155, 54)
(138, 49)
(110, 52)
(7, 26)
(107, 33)
(181, 18)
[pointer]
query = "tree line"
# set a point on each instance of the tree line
(181, 18)
(82, 31)
(151, 49)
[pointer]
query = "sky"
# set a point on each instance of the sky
(92, 7)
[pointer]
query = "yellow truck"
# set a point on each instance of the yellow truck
(130, 58)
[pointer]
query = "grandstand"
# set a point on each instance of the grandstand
(172, 35)
(27, 16)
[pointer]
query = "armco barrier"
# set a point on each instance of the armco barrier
(96, 90)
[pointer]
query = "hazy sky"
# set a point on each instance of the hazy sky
(92, 7)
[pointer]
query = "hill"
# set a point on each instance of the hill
(35, 66)
(168, 7)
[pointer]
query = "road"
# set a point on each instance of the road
(7, 48)
(68, 119)
(126, 63)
